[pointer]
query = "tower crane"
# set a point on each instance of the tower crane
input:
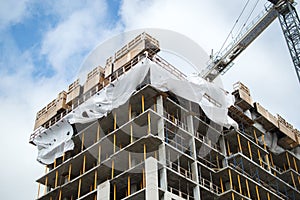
(285, 11)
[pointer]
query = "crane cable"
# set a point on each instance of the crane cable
(230, 33)
(244, 25)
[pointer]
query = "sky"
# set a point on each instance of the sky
(43, 43)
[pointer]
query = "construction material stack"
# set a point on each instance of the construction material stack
(74, 91)
(55, 107)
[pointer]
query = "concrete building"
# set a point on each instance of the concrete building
(160, 144)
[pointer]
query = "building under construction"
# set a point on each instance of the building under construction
(135, 130)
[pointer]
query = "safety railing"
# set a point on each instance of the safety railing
(186, 173)
(180, 193)
(209, 185)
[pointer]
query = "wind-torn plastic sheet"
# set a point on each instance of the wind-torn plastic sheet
(296, 151)
(271, 140)
(111, 97)
(53, 142)
(195, 90)
(118, 92)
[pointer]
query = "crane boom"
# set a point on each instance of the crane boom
(290, 23)
(223, 61)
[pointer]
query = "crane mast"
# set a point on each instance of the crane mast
(290, 25)
(289, 20)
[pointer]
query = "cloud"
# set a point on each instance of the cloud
(80, 29)
(69, 39)
(12, 12)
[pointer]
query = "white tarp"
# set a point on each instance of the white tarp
(111, 97)
(53, 142)
(119, 92)
(194, 90)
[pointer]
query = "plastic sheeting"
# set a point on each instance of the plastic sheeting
(53, 142)
(296, 151)
(271, 142)
(118, 92)
(111, 97)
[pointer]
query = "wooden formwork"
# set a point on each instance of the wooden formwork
(287, 143)
(41, 113)
(138, 45)
(242, 96)
(52, 109)
(57, 104)
(241, 86)
(41, 118)
(290, 139)
(238, 116)
(297, 134)
(94, 78)
(74, 91)
(128, 54)
(108, 66)
(265, 118)
(61, 101)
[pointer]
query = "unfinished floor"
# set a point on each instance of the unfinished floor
(154, 147)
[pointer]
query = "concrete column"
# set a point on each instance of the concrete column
(160, 111)
(192, 141)
(194, 167)
(162, 148)
(196, 189)
(163, 171)
(103, 191)
(151, 172)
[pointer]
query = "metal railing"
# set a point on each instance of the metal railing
(180, 193)
(184, 172)
(175, 121)
(209, 185)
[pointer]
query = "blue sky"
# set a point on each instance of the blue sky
(43, 43)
